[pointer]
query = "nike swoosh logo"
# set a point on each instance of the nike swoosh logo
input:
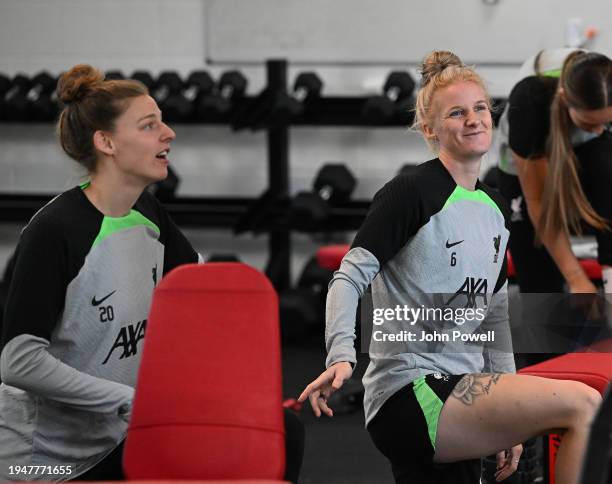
(448, 245)
(95, 302)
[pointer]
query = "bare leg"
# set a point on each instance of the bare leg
(487, 413)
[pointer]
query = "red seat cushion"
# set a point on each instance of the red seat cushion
(593, 369)
(208, 398)
(330, 256)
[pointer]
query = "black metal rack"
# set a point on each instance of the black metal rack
(269, 212)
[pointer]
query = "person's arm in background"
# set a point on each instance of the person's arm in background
(532, 176)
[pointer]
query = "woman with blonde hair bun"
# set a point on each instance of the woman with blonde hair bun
(433, 243)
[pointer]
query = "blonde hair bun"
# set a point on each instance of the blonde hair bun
(436, 62)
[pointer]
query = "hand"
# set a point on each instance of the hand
(507, 462)
(328, 382)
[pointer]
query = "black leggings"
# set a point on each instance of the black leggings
(110, 468)
(536, 272)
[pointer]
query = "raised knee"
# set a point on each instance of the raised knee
(587, 402)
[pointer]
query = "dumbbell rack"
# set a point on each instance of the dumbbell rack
(268, 213)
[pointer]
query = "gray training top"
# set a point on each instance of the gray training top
(73, 333)
(426, 243)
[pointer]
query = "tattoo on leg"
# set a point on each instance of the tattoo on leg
(473, 385)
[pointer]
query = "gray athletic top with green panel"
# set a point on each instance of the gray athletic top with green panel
(75, 319)
(408, 249)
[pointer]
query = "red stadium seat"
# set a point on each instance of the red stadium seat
(208, 397)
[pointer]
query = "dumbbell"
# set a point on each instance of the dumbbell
(307, 87)
(394, 103)
(181, 106)
(113, 75)
(145, 77)
(269, 109)
(42, 98)
(333, 184)
(219, 102)
(167, 86)
(5, 85)
(165, 190)
(16, 99)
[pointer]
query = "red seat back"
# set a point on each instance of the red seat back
(208, 398)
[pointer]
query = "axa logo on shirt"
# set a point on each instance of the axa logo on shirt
(126, 342)
(472, 288)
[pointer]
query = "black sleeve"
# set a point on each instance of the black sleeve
(502, 203)
(38, 287)
(394, 217)
(529, 117)
(178, 249)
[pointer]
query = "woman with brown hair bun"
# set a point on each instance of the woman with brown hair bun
(86, 266)
(556, 168)
(435, 240)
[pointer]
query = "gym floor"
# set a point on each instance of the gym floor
(337, 450)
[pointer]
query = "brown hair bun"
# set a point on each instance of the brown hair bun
(77, 82)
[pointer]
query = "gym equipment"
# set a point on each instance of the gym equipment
(202, 317)
(16, 99)
(591, 368)
(165, 190)
(42, 102)
(269, 109)
(166, 89)
(333, 184)
(113, 75)
(181, 106)
(307, 87)
(394, 104)
(5, 84)
(145, 77)
(349, 398)
(222, 257)
(300, 315)
(302, 309)
(219, 102)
